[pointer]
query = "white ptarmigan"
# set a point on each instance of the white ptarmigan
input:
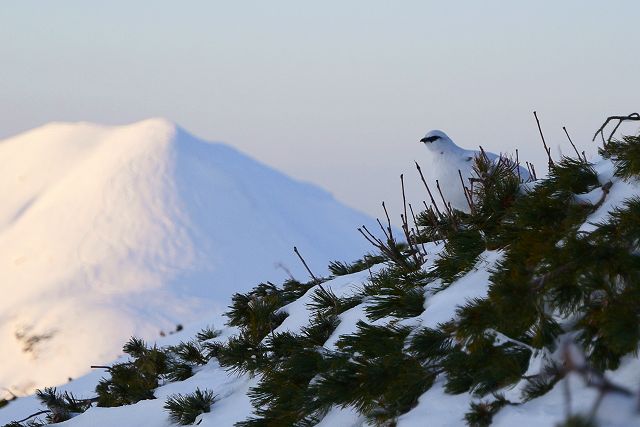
(446, 160)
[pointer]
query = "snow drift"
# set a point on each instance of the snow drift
(107, 232)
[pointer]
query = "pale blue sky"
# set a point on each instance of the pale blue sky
(333, 92)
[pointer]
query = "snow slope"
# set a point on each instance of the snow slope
(107, 232)
(435, 407)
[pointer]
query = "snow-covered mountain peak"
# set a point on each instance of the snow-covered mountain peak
(133, 229)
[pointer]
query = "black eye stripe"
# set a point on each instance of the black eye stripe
(430, 139)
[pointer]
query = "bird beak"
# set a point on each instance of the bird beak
(424, 140)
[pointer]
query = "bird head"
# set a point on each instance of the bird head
(434, 136)
(438, 140)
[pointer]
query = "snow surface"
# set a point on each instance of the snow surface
(435, 407)
(106, 232)
(474, 284)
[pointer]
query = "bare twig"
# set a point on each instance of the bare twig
(415, 221)
(572, 144)
(433, 201)
(388, 221)
(383, 229)
(605, 192)
(369, 239)
(533, 171)
(620, 119)
(285, 269)
(466, 191)
(417, 231)
(404, 198)
(390, 249)
(44, 411)
(544, 143)
(416, 254)
(315, 279)
(444, 201)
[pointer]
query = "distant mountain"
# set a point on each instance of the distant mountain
(108, 231)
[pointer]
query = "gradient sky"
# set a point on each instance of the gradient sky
(333, 92)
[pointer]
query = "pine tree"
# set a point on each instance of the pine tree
(185, 408)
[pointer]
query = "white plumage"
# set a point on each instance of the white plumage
(445, 160)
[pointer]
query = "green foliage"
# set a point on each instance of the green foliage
(292, 289)
(323, 300)
(538, 385)
(572, 175)
(396, 301)
(29, 423)
(432, 346)
(596, 276)
(544, 215)
(61, 406)
(485, 367)
(481, 413)
(242, 354)
(257, 312)
(190, 352)
(494, 189)
(185, 408)
(207, 334)
(182, 358)
(319, 330)
(434, 227)
(372, 373)
(626, 155)
(461, 251)
(396, 292)
(338, 268)
(282, 397)
(135, 380)
(474, 319)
